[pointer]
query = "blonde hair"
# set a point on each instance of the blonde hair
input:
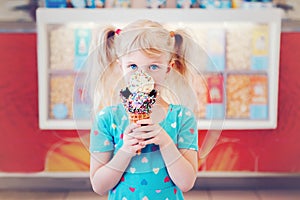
(152, 38)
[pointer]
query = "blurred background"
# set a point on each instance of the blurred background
(56, 158)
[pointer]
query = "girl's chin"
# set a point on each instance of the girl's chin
(157, 86)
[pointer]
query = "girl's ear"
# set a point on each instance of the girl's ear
(170, 66)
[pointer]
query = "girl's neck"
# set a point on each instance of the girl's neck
(161, 103)
(159, 110)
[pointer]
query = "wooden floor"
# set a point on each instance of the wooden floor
(192, 195)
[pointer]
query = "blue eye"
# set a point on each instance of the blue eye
(133, 66)
(154, 67)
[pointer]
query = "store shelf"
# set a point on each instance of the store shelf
(65, 124)
(288, 25)
(229, 27)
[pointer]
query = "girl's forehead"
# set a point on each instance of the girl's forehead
(142, 55)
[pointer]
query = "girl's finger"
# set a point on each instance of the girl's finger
(147, 128)
(146, 132)
(144, 121)
(137, 147)
(131, 127)
(143, 135)
(149, 141)
(132, 141)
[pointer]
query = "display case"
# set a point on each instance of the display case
(238, 91)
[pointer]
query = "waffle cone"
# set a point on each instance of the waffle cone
(136, 117)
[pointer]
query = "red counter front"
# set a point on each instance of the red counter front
(25, 148)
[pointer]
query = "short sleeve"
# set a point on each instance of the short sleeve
(101, 138)
(188, 132)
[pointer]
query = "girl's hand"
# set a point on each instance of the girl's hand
(150, 133)
(131, 144)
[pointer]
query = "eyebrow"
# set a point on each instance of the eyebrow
(152, 62)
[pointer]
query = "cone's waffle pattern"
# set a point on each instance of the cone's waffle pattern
(136, 117)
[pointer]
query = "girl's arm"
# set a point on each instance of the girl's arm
(107, 169)
(182, 164)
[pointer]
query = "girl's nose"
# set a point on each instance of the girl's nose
(142, 69)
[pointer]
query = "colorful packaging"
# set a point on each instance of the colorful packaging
(61, 95)
(260, 48)
(61, 47)
(252, 4)
(82, 44)
(122, 3)
(237, 3)
(156, 3)
(207, 4)
(95, 3)
(238, 48)
(76, 3)
(247, 96)
(259, 97)
(216, 49)
(81, 102)
(215, 4)
(215, 97)
(225, 4)
(201, 92)
(238, 93)
(55, 3)
(186, 3)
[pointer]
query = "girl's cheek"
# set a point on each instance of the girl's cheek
(126, 77)
(159, 80)
(127, 72)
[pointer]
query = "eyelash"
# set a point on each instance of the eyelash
(134, 67)
(156, 66)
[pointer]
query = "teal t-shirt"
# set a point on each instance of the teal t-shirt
(146, 177)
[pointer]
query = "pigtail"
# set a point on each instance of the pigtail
(100, 67)
(189, 57)
(194, 59)
(178, 59)
(188, 61)
(105, 46)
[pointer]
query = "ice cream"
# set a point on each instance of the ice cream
(139, 96)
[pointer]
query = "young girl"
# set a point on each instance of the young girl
(167, 165)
